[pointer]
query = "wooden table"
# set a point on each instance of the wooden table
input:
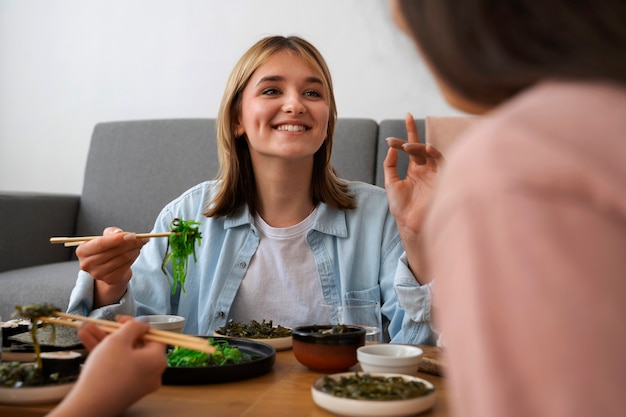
(284, 392)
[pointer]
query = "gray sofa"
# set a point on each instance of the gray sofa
(133, 169)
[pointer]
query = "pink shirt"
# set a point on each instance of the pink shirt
(527, 242)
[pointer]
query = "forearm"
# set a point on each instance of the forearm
(413, 246)
(82, 402)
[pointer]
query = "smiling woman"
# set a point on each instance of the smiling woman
(285, 125)
(281, 231)
(288, 114)
(279, 81)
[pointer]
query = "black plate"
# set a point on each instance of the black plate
(217, 374)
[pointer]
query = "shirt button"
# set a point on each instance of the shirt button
(221, 314)
(242, 265)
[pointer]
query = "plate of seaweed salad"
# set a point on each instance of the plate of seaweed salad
(235, 359)
(373, 394)
(264, 331)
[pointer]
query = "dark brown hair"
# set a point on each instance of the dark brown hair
(237, 184)
(488, 50)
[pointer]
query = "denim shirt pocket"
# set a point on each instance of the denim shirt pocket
(367, 294)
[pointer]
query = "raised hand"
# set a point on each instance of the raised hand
(409, 197)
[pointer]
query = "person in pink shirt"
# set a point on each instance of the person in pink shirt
(525, 239)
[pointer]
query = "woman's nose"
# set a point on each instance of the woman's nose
(293, 104)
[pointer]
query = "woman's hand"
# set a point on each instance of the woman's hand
(409, 197)
(121, 368)
(108, 259)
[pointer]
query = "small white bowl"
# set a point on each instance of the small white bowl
(391, 358)
(165, 322)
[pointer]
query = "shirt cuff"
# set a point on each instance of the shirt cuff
(81, 301)
(415, 299)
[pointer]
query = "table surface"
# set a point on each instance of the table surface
(285, 391)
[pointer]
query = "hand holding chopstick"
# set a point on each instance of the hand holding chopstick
(75, 241)
(162, 336)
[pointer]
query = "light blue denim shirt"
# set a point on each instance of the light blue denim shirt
(358, 254)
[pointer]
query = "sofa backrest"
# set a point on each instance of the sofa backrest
(134, 168)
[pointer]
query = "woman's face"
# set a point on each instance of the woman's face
(284, 109)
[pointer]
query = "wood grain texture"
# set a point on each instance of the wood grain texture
(432, 360)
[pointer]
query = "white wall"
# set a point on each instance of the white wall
(66, 65)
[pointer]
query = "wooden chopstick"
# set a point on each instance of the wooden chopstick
(156, 335)
(75, 241)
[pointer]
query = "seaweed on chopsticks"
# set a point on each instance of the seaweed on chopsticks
(33, 312)
(180, 245)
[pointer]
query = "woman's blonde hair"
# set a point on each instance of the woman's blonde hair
(237, 183)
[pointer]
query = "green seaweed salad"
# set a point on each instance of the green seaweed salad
(180, 245)
(224, 355)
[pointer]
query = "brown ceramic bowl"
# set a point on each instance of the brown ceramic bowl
(322, 351)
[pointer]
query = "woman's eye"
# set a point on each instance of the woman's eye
(270, 91)
(313, 93)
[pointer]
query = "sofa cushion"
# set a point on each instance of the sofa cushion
(29, 220)
(354, 149)
(51, 283)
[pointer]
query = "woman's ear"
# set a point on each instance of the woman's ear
(239, 131)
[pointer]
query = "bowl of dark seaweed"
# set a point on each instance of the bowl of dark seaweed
(327, 348)
(375, 394)
(277, 336)
(234, 360)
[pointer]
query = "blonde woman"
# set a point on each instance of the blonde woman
(280, 231)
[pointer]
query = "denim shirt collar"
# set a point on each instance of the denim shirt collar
(329, 221)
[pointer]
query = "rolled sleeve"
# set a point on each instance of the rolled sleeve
(81, 301)
(415, 299)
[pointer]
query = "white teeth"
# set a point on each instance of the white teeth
(292, 128)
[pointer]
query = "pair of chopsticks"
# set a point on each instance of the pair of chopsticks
(156, 335)
(75, 241)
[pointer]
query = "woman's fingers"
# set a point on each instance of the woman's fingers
(90, 335)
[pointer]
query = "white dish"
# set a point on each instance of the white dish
(34, 395)
(389, 357)
(167, 322)
(278, 343)
(372, 408)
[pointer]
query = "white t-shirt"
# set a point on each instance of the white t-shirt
(282, 283)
